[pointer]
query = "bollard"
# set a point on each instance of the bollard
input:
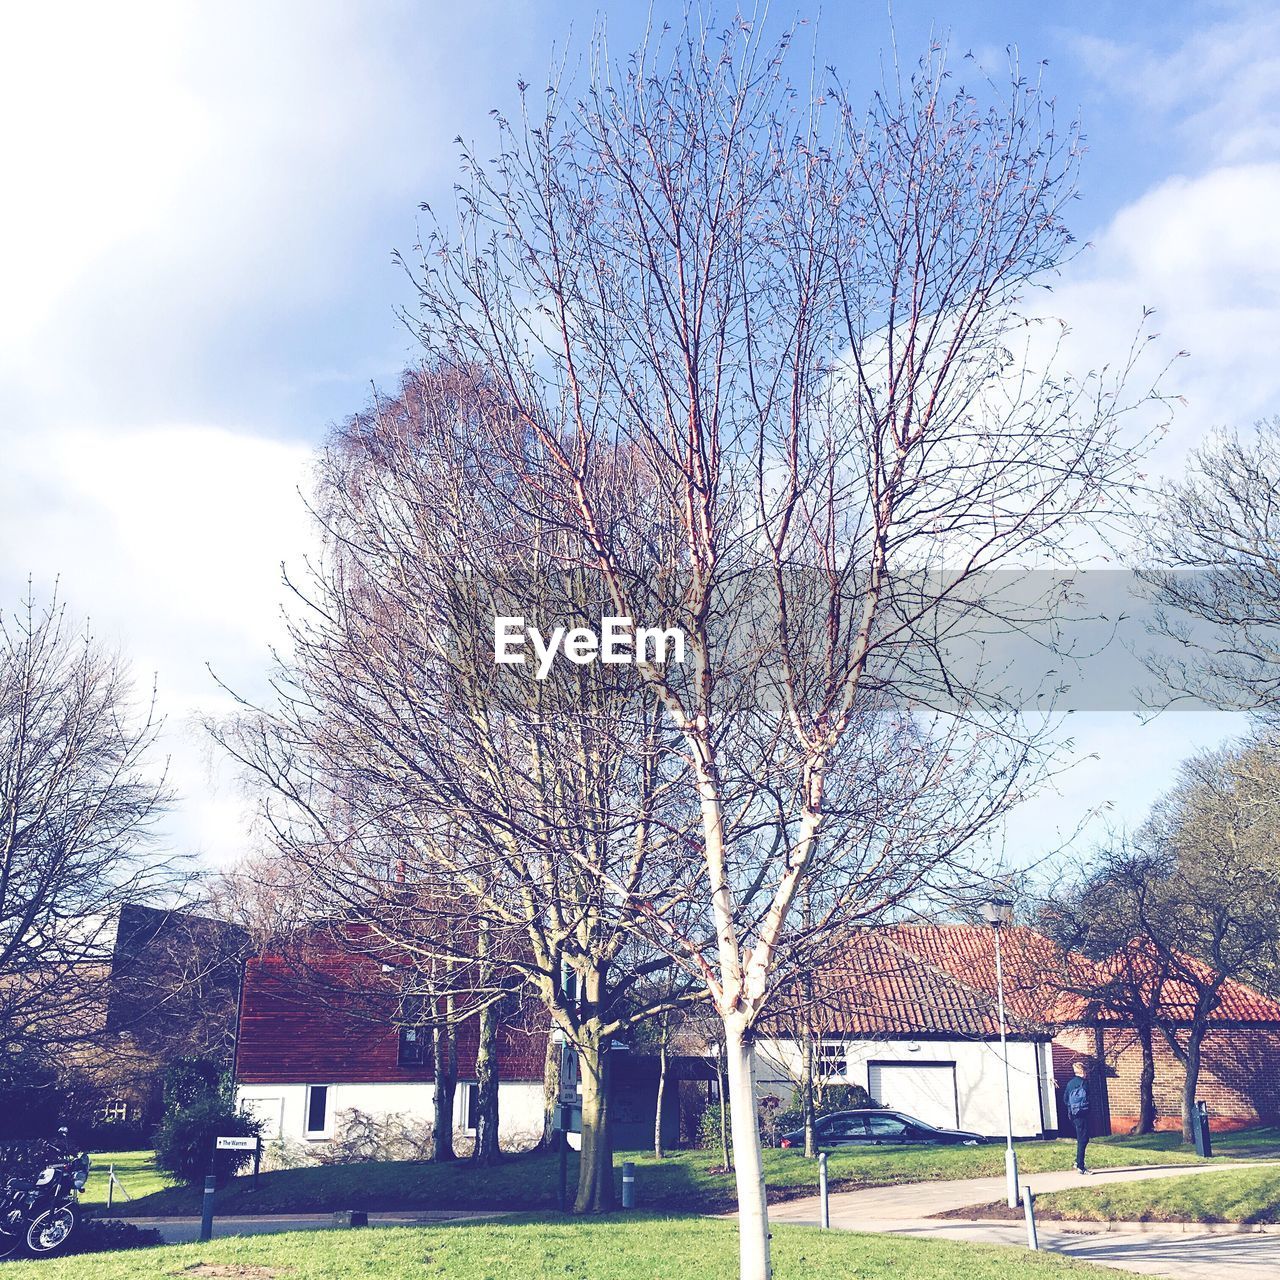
(822, 1188)
(628, 1185)
(206, 1213)
(1029, 1210)
(111, 1184)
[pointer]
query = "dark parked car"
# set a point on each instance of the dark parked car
(878, 1128)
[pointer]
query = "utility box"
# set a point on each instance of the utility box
(1204, 1139)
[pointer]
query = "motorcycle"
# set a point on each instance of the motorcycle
(40, 1212)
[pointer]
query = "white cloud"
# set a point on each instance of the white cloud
(1204, 252)
(202, 201)
(1201, 247)
(1215, 90)
(170, 540)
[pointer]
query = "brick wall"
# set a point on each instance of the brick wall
(1239, 1075)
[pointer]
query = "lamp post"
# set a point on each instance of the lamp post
(998, 913)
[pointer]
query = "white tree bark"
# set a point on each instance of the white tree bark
(748, 1161)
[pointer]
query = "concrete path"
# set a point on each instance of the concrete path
(924, 1199)
(184, 1230)
(1189, 1252)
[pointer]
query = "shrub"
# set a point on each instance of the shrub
(361, 1136)
(184, 1141)
(774, 1122)
(115, 1135)
(95, 1235)
(834, 1097)
(842, 1097)
(709, 1129)
(287, 1153)
(191, 1080)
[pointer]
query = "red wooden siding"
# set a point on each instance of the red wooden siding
(293, 1030)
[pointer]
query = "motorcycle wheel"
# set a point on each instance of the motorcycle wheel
(8, 1244)
(51, 1229)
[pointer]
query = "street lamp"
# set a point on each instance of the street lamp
(998, 913)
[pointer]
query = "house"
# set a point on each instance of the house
(910, 1014)
(1240, 1054)
(169, 989)
(318, 1036)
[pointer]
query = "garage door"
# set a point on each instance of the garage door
(926, 1091)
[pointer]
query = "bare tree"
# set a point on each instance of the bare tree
(803, 323)
(78, 801)
(1210, 906)
(1108, 962)
(526, 802)
(1211, 567)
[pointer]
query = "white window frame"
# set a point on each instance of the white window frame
(318, 1135)
(465, 1089)
(831, 1062)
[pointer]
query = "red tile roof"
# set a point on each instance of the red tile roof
(941, 980)
(911, 981)
(1139, 966)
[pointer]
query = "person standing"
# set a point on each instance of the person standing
(1076, 1096)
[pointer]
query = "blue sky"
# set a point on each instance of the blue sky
(196, 279)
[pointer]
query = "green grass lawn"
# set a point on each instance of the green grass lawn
(599, 1249)
(1232, 1195)
(135, 1170)
(684, 1181)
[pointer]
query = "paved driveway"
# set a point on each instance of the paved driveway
(1187, 1253)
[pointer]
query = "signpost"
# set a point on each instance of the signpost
(229, 1142)
(244, 1144)
(566, 1103)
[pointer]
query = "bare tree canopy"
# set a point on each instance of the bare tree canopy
(1187, 906)
(1211, 566)
(439, 799)
(802, 322)
(78, 799)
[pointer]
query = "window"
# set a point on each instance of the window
(831, 1062)
(469, 1107)
(414, 1037)
(844, 1127)
(317, 1111)
(413, 1046)
(886, 1127)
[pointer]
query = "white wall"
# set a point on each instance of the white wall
(283, 1107)
(979, 1070)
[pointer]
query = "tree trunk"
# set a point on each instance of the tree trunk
(486, 1150)
(748, 1160)
(595, 1164)
(662, 1086)
(551, 1092)
(1146, 1083)
(1191, 1083)
(445, 1055)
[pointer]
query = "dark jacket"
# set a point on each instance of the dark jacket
(1076, 1096)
